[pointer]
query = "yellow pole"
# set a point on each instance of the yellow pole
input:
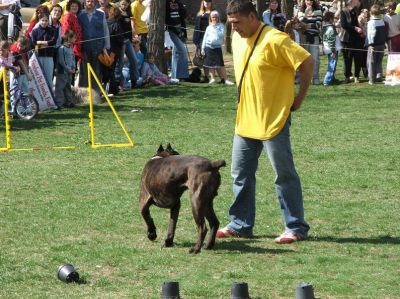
(6, 103)
(91, 71)
(91, 118)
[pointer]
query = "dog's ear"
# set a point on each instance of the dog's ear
(170, 150)
(160, 149)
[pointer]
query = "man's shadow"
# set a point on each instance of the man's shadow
(243, 245)
(384, 239)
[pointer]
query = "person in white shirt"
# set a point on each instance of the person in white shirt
(5, 7)
(211, 47)
(393, 24)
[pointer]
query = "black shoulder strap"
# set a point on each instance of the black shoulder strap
(247, 63)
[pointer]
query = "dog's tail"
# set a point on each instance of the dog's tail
(218, 164)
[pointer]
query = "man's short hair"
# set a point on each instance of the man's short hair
(241, 7)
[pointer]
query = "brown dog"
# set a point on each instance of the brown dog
(165, 177)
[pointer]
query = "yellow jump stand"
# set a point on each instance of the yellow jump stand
(130, 143)
(3, 77)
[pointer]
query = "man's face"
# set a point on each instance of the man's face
(245, 26)
(356, 3)
(89, 4)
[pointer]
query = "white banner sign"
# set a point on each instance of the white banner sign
(38, 86)
(393, 70)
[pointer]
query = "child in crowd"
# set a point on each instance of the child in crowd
(150, 72)
(20, 50)
(363, 21)
(376, 38)
(43, 38)
(6, 61)
(211, 48)
(329, 36)
(139, 55)
(393, 24)
(65, 70)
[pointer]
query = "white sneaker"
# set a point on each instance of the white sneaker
(211, 81)
(227, 82)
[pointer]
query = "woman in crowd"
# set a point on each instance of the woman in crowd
(201, 23)
(70, 22)
(311, 16)
(116, 29)
(55, 16)
(41, 9)
(43, 38)
(175, 21)
(274, 17)
(126, 14)
(211, 48)
(393, 23)
(352, 39)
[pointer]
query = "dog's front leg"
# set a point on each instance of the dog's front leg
(174, 214)
(145, 211)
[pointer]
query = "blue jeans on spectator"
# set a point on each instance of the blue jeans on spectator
(179, 64)
(313, 49)
(330, 73)
(133, 70)
(47, 64)
(90, 56)
(143, 44)
(245, 155)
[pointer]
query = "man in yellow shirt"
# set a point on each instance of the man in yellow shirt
(266, 101)
(140, 28)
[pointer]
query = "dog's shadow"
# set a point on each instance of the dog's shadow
(241, 245)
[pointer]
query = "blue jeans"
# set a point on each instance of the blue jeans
(47, 64)
(313, 49)
(143, 43)
(245, 155)
(330, 73)
(179, 64)
(130, 54)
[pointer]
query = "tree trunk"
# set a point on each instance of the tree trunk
(156, 33)
(261, 7)
(228, 40)
(287, 8)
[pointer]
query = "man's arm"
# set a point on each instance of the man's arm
(306, 70)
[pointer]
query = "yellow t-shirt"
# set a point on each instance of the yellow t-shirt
(267, 91)
(137, 9)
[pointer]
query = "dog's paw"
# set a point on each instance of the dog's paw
(194, 250)
(152, 236)
(208, 246)
(168, 243)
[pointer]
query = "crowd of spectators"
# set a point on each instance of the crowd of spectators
(362, 35)
(112, 37)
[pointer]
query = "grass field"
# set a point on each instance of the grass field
(81, 206)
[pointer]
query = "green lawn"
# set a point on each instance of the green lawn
(81, 206)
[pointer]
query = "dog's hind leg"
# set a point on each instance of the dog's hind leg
(174, 214)
(145, 211)
(214, 225)
(198, 215)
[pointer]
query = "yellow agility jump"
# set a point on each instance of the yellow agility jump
(91, 74)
